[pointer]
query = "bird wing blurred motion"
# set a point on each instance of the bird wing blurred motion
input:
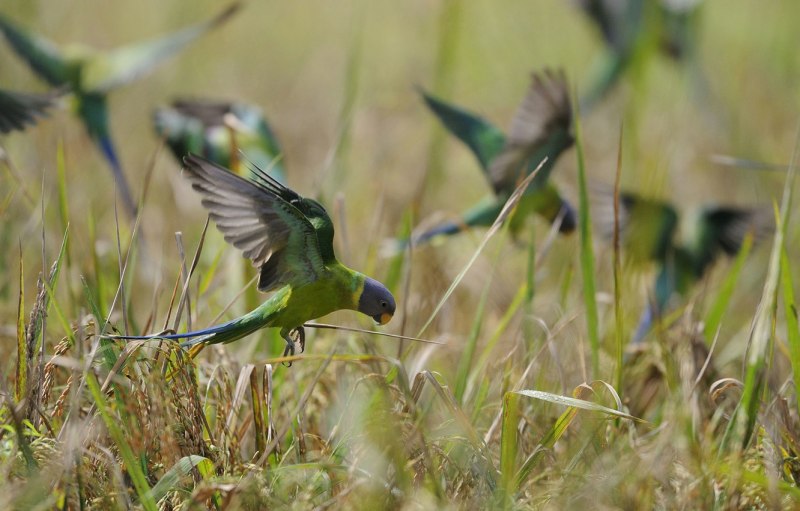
(123, 65)
(722, 230)
(483, 138)
(261, 218)
(544, 113)
(646, 226)
(617, 20)
(42, 55)
(539, 129)
(19, 109)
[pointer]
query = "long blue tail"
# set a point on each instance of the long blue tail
(107, 148)
(227, 332)
(645, 323)
(445, 229)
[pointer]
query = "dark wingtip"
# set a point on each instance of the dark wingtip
(569, 220)
(227, 13)
(193, 159)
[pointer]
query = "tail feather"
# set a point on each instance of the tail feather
(446, 229)
(107, 148)
(645, 324)
(233, 330)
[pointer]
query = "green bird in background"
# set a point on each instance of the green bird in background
(540, 128)
(290, 238)
(21, 109)
(91, 75)
(683, 249)
(628, 25)
(218, 130)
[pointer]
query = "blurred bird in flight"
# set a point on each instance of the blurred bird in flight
(21, 109)
(629, 26)
(541, 128)
(290, 239)
(683, 249)
(218, 130)
(91, 75)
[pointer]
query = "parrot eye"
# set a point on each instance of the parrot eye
(384, 304)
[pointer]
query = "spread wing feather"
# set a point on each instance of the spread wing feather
(42, 55)
(258, 218)
(18, 109)
(544, 112)
(125, 64)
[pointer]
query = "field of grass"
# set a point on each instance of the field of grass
(523, 403)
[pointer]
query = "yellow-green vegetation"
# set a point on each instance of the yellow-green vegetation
(531, 396)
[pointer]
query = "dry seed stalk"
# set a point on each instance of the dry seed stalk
(50, 368)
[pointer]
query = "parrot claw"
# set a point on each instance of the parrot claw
(298, 335)
(301, 337)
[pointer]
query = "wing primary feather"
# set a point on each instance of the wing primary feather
(268, 183)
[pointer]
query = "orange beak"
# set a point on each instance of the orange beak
(384, 318)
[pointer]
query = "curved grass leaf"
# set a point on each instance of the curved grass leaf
(586, 251)
(180, 470)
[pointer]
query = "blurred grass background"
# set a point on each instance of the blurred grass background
(369, 160)
(293, 61)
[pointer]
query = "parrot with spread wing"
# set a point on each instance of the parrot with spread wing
(290, 239)
(91, 75)
(683, 249)
(218, 130)
(625, 26)
(21, 109)
(540, 129)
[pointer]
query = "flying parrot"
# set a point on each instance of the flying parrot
(540, 128)
(91, 75)
(21, 109)
(217, 130)
(683, 249)
(625, 26)
(290, 238)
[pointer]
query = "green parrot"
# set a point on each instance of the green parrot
(540, 128)
(217, 130)
(290, 239)
(91, 75)
(21, 109)
(683, 249)
(626, 24)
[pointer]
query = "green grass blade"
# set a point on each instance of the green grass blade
(21, 378)
(762, 332)
(792, 326)
(577, 403)
(509, 443)
(117, 434)
(394, 273)
(99, 279)
(618, 324)
(758, 349)
(63, 203)
(720, 305)
(468, 353)
(586, 252)
(552, 436)
(178, 471)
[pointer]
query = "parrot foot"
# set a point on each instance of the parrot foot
(297, 335)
